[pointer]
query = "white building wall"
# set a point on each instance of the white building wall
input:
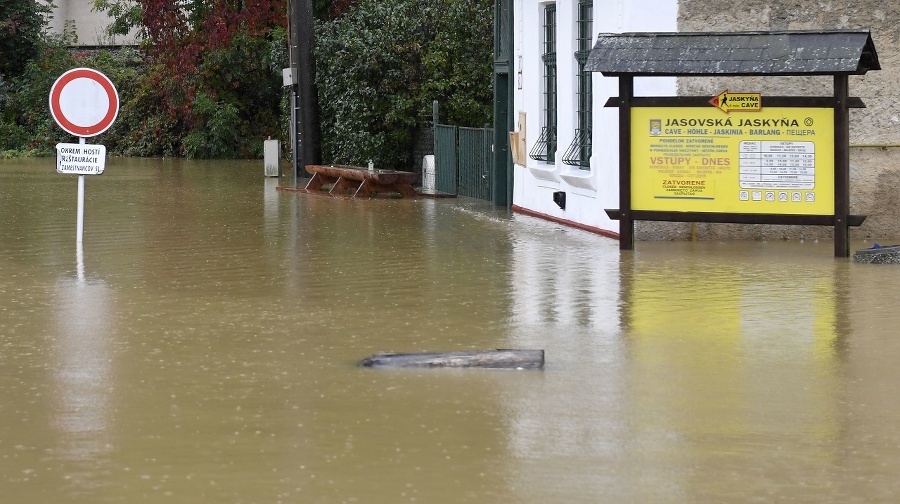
(90, 26)
(588, 192)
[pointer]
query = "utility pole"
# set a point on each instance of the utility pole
(305, 126)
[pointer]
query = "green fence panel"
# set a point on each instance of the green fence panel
(445, 159)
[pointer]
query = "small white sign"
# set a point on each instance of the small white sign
(80, 159)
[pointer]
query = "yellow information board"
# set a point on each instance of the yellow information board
(778, 160)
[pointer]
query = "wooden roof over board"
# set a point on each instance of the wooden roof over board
(794, 52)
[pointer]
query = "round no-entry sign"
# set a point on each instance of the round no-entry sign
(84, 102)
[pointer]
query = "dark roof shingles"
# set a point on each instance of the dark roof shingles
(738, 53)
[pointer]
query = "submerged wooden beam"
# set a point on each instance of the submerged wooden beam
(514, 359)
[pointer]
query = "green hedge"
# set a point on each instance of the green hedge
(380, 66)
(238, 102)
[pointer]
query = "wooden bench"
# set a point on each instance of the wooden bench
(358, 182)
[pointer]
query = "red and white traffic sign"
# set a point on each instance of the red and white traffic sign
(84, 102)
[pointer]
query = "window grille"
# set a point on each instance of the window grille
(545, 148)
(579, 151)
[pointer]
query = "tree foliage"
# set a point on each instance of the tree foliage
(206, 80)
(26, 125)
(126, 15)
(215, 75)
(21, 24)
(381, 64)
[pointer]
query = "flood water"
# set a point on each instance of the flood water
(202, 348)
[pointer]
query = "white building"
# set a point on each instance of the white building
(556, 99)
(89, 25)
(550, 38)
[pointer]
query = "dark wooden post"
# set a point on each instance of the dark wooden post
(501, 177)
(293, 53)
(626, 224)
(841, 166)
(307, 142)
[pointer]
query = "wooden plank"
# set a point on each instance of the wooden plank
(359, 173)
(735, 218)
(626, 219)
(841, 166)
(509, 359)
(703, 101)
(405, 190)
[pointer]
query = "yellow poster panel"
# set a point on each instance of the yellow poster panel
(779, 160)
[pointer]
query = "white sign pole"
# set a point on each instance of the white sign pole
(84, 103)
(79, 226)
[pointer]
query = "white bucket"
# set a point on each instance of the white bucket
(272, 158)
(428, 174)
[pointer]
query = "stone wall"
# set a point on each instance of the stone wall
(874, 131)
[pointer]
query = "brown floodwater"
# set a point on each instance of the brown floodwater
(202, 348)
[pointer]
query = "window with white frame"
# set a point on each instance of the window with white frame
(545, 147)
(579, 151)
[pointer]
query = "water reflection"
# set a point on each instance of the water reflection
(83, 367)
(723, 347)
(566, 433)
(202, 348)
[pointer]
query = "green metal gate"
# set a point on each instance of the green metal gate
(445, 164)
(475, 162)
(463, 160)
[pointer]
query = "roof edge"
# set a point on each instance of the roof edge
(781, 52)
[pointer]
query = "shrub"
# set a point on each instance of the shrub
(380, 66)
(21, 22)
(26, 113)
(28, 127)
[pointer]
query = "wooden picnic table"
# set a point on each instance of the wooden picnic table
(360, 182)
